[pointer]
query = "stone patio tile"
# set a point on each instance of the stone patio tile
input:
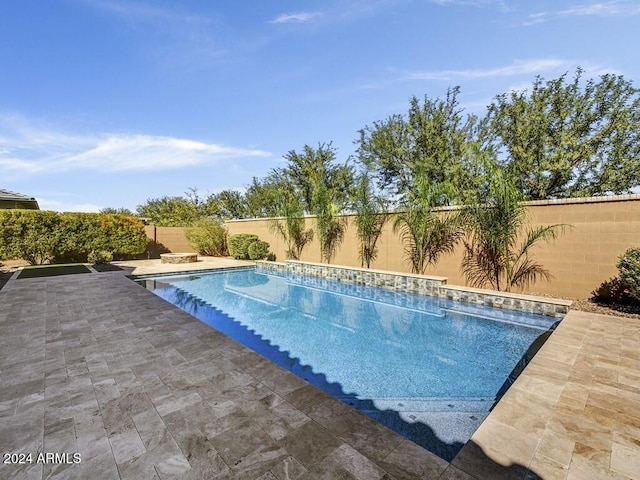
(310, 443)
(161, 459)
(126, 445)
(288, 469)
(542, 467)
(248, 450)
(625, 459)
(306, 397)
(356, 464)
(327, 469)
(487, 464)
(509, 441)
(556, 447)
(409, 461)
(453, 473)
(581, 469)
(277, 379)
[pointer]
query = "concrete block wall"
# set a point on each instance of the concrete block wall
(598, 231)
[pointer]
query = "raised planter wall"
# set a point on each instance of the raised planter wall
(420, 284)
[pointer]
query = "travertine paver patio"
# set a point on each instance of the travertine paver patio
(97, 365)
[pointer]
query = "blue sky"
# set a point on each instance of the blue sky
(105, 103)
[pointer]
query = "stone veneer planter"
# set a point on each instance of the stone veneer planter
(420, 284)
(178, 257)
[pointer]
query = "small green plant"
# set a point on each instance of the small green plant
(271, 257)
(258, 250)
(99, 257)
(208, 237)
(612, 291)
(239, 245)
(629, 268)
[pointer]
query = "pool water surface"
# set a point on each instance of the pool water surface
(428, 368)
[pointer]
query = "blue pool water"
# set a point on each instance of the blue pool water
(428, 368)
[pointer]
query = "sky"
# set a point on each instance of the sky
(108, 103)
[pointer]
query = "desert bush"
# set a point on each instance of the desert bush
(612, 291)
(258, 250)
(31, 235)
(239, 245)
(99, 257)
(629, 271)
(208, 237)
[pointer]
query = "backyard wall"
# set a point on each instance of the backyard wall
(583, 257)
(164, 240)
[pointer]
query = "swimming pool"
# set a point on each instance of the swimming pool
(428, 368)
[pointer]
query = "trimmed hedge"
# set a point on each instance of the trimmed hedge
(51, 237)
(239, 245)
(258, 250)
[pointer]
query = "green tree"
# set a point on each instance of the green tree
(291, 224)
(263, 196)
(434, 140)
(316, 169)
(426, 233)
(371, 216)
(497, 249)
(170, 211)
(117, 211)
(227, 204)
(331, 226)
(568, 138)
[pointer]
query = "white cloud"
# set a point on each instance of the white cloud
(472, 3)
(29, 148)
(518, 67)
(301, 17)
(603, 9)
(47, 204)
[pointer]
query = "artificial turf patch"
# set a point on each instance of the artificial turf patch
(52, 270)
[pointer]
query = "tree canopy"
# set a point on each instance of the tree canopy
(569, 138)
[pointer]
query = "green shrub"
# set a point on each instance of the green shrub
(31, 235)
(82, 233)
(612, 291)
(208, 237)
(629, 270)
(99, 257)
(258, 250)
(271, 257)
(239, 245)
(43, 237)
